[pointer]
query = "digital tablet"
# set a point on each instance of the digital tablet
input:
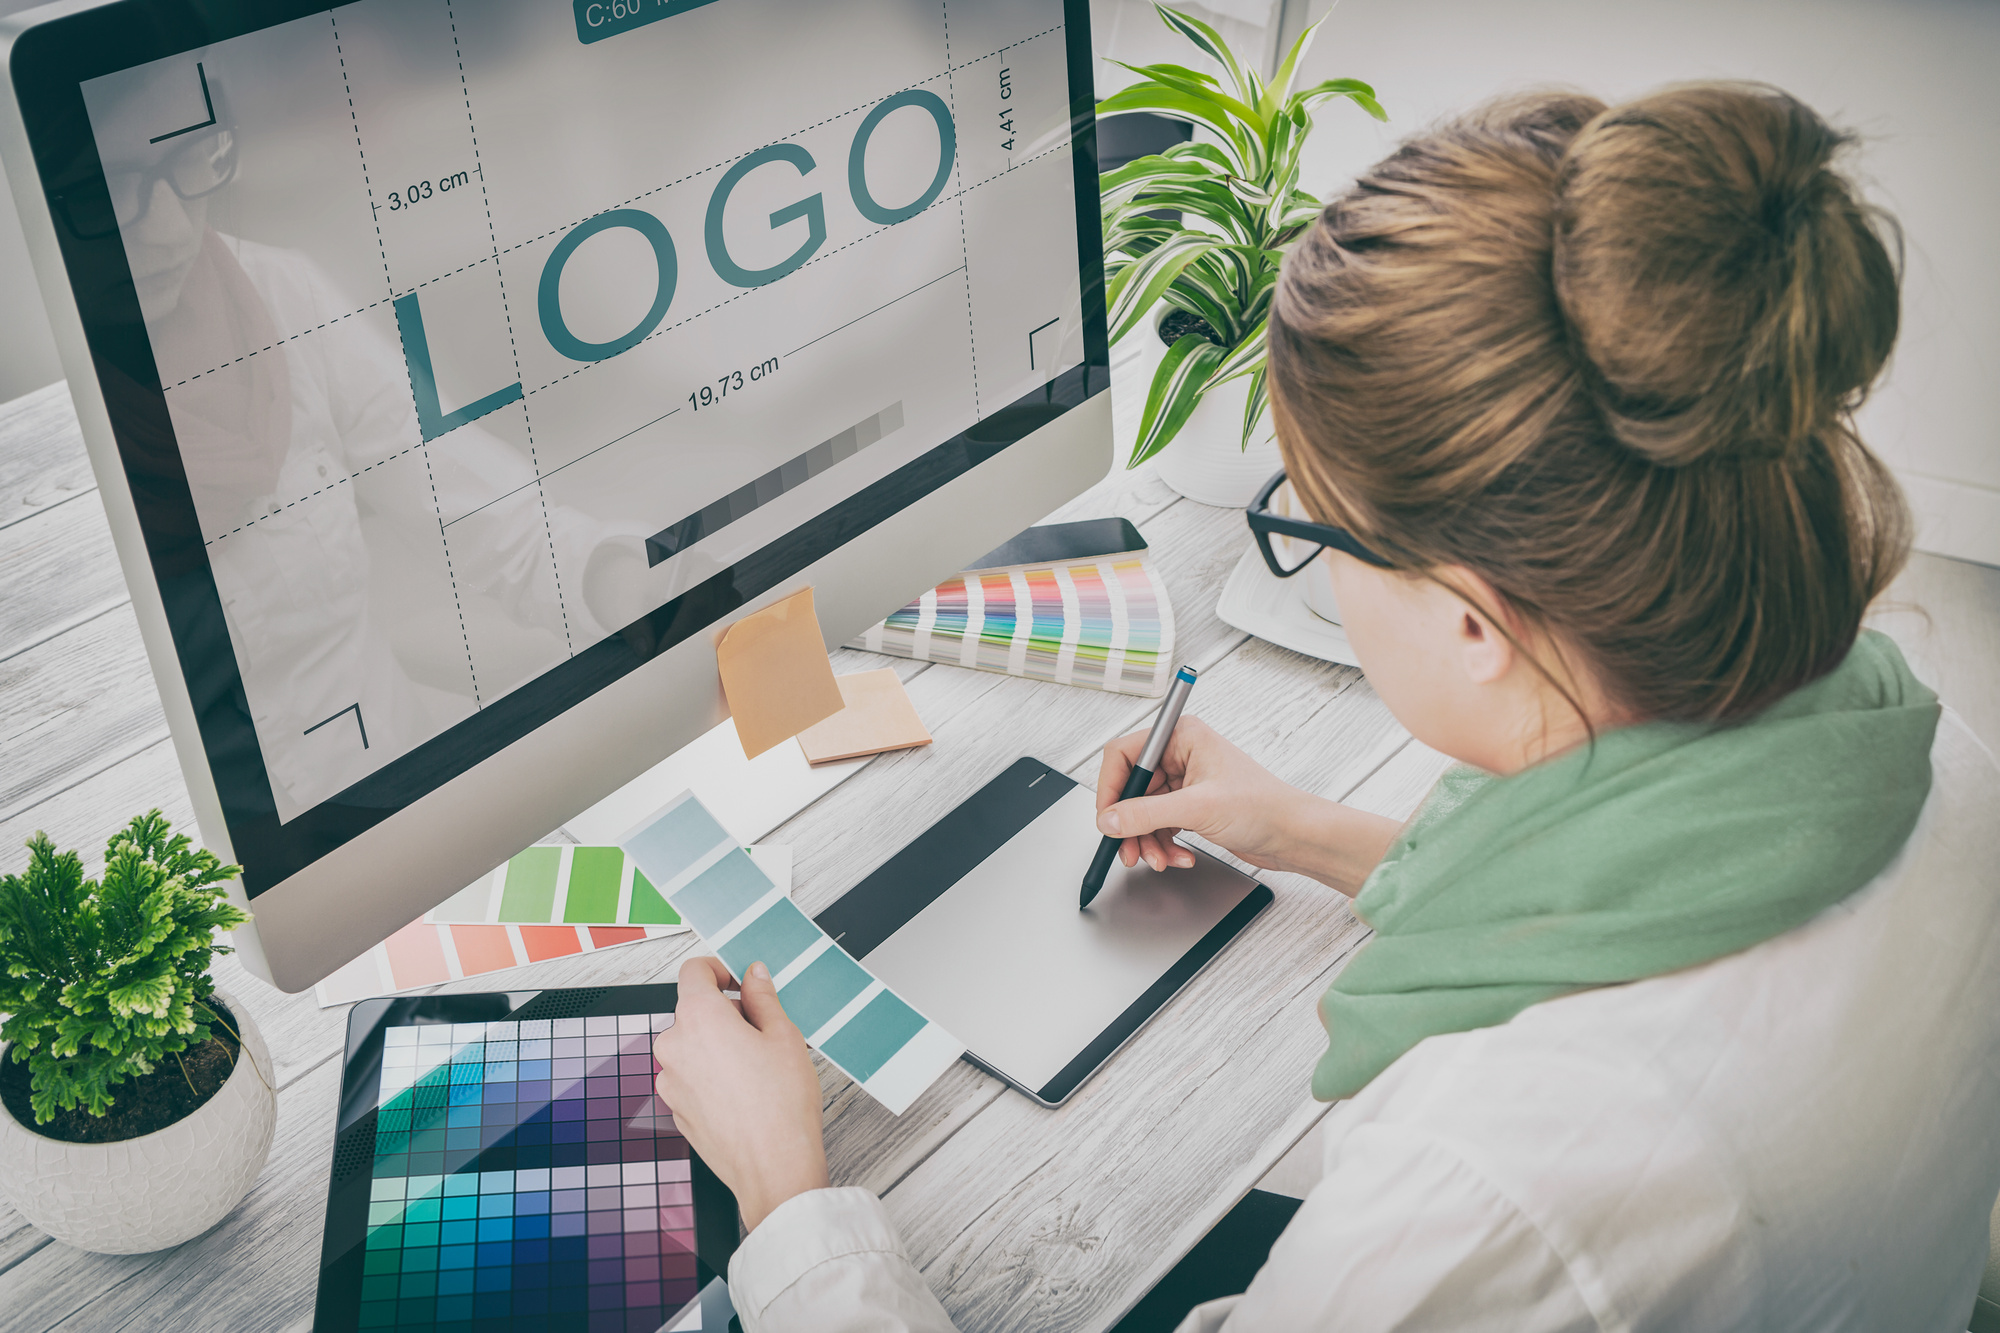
(502, 1162)
(976, 924)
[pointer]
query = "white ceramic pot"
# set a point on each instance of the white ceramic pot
(1205, 461)
(158, 1190)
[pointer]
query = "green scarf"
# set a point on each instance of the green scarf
(1659, 847)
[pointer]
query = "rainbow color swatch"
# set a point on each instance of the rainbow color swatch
(1104, 624)
(527, 1177)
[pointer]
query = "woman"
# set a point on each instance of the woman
(1679, 1012)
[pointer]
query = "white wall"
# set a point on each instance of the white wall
(1916, 78)
(1129, 30)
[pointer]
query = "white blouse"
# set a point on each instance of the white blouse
(1801, 1136)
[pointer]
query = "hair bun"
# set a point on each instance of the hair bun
(1723, 282)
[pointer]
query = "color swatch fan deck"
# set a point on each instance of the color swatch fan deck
(526, 1175)
(547, 901)
(868, 1031)
(551, 883)
(429, 953)
(1103, 624)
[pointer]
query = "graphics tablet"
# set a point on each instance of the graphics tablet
(976, 924)
(503, 1163)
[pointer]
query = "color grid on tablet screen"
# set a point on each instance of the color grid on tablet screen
(846, 1013)
(526, 1175)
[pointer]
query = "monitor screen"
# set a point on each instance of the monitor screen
(464, 356)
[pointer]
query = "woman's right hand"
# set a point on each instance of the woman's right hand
(742, 1087)
(1204, 785)
(1207, 786)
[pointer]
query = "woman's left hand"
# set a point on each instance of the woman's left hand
(742, 1087)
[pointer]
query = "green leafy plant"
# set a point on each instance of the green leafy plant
(1243, 189)
(105, 978)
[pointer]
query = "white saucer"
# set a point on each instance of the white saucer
(1274, 609)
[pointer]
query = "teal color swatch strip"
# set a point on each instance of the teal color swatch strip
(822, 989)
(776, 937)
(721, 893)
(679, 838)
(873, 1035)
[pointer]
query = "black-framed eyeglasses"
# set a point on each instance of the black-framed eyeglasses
(197, 168)
(1266, 524)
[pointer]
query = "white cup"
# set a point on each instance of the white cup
(1317, 578)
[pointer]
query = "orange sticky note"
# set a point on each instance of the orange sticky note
(879, 716)
(775, 673)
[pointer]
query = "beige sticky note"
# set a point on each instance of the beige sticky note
(775, 673)
(879, 716)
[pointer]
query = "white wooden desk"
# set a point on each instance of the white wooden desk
(1021, 1218)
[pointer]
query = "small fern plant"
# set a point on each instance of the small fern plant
(106, 978)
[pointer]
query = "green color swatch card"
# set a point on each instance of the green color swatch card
(554, 884)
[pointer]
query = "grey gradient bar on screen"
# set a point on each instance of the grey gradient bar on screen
(789, 475)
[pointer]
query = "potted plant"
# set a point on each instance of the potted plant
(129, 1119)
(1198, 280)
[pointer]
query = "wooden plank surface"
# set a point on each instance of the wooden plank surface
(84, 814)
(60, 571)
(1022, 1217)
(74, 706)
(42, 460)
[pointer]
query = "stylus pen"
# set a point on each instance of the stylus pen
(1141, 778)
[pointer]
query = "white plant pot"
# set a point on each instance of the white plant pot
(1205, 461)
(155, 1191)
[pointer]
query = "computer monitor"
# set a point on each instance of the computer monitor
(455, 371)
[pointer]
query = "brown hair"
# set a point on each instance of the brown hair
(1606, 358)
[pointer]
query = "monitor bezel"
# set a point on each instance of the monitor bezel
(61, 47)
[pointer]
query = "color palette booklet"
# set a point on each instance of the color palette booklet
(847, 1014)
(1102, 622)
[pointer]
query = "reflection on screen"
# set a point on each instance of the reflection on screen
(485, 329)
(526, 1177)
